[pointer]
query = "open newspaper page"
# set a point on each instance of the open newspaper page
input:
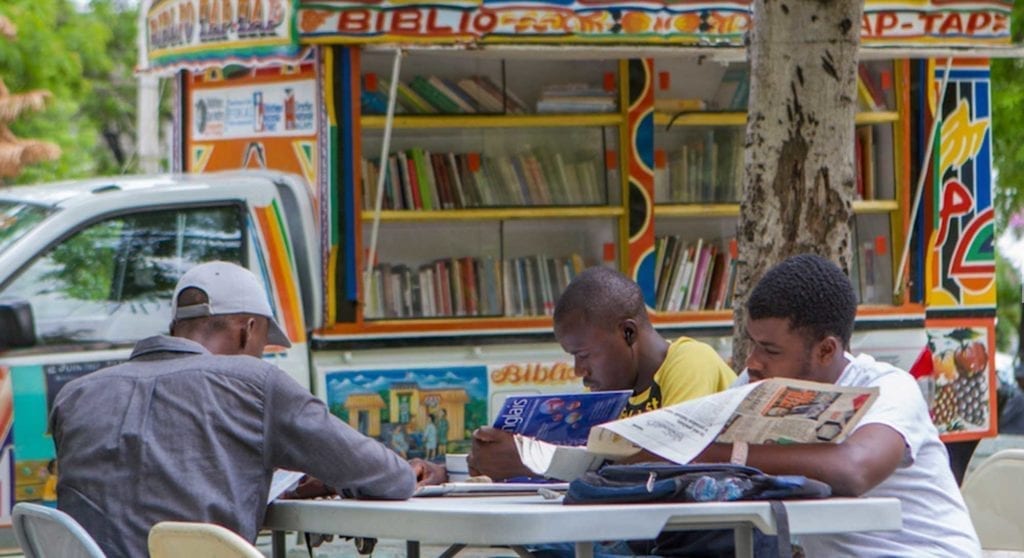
(775, 411)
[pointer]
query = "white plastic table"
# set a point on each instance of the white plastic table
(530, 519)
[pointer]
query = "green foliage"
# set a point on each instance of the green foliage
(86, 59)
(1008, 310)
(1008, 156)
(1008, 126)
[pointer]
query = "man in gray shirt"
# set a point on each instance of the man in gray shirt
(193, 425)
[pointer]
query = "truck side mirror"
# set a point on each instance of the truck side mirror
(17, 328)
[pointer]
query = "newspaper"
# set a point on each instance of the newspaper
(775, 411)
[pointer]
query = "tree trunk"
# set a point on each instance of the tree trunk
(800, 179)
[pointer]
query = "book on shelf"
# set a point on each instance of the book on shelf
(773, 411)
(864, 152)
(562, 418)
(691, 276)
(454, 94)
(434, 96)
(576, 98)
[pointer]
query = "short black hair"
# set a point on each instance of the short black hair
(811, 292)
(603, 297)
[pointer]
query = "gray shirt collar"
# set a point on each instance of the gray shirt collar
(167, 344)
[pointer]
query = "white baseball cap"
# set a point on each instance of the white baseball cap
(230, 289)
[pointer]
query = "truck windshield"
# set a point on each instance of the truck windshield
(17, 218)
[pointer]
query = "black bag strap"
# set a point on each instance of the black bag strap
(782, 528)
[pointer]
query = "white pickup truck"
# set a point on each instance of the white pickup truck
(88, 268)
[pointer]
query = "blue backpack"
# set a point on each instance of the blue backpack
(666, 482)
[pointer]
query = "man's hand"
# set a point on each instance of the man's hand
(428, 473)
(494, 454)
(309, 487)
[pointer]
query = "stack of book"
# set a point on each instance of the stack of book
(693, 276)
(437, 95)
(468, 286)
(576, 98)
(706, 168)
(419, 179)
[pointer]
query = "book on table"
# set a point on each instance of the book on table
(560, 418)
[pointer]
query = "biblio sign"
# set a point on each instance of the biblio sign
(602, 21)
(198, 29)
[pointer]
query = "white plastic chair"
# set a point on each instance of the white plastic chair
(45, 532)
(996, 502)
(176, 539)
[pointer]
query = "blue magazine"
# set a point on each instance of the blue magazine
(560, 418)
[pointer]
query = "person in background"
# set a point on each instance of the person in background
(442, 433)
(194, 424)
(800, 318)
(49, 495)
(601, 320)
(399, 442)
(430, 437)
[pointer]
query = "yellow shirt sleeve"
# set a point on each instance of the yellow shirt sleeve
(691, 369)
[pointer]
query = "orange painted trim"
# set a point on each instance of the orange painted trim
(279, 266)
(460, 325)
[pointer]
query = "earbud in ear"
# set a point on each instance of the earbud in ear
(629, 337)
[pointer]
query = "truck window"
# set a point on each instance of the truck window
(17, 218)
(112, 281)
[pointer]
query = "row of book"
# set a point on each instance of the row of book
(864, 162)
(576, 98)
(704, 169)
(692, 276)
(437, 95)
(419, 179)
(468, 286)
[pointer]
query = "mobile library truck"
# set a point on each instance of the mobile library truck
(417, 267)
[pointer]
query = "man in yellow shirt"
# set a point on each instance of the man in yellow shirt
(602, 321)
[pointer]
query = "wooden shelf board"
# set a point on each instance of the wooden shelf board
(498, 214)
(698, 210)
(740, 118)
(879, 117)
(860, 207)
(702, 119)
(494, 120)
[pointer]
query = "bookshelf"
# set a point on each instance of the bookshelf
(552, 194)
(698, 170)
(537, 194)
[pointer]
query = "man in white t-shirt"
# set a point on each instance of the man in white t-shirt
(799, 321)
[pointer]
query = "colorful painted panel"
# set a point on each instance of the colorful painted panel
(34, 388)
(418, 412)
(885, 23)
(201, 32)
(639, 140)
(960, 259)
(958, 383)
(254, 119)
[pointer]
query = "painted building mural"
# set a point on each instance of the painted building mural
(406, 408)
(960, 258)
